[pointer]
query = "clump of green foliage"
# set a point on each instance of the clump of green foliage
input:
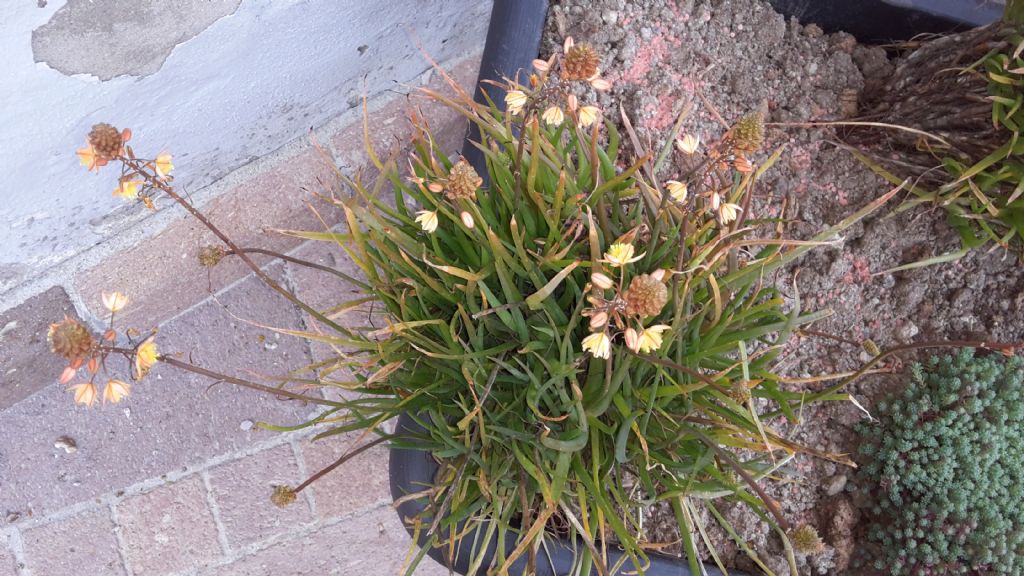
(961, 99)
(946, 469)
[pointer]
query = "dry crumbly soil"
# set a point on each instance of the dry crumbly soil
(740, 56)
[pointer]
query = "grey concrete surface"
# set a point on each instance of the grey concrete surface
(137, 36)
(231, 88)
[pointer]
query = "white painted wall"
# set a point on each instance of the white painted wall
(240, 88)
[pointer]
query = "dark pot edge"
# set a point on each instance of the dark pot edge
(875, 21)
(411, 471)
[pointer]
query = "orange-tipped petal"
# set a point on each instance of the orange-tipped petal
(87, 157)
(85, 393)
(67, 374)
(114, 301)
(163, 165)
(115, 391)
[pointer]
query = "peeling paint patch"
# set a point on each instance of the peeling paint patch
(121, 37)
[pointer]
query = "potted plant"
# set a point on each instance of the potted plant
(567, 345)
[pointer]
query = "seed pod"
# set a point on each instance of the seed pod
(106, 141)
(581, 62)
(646, 296)
(69, 339)
(463, 181)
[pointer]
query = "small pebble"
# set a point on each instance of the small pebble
(835, 484)
(246, 425)
(907, 331)
(67, 444)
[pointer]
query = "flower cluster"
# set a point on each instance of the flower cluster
(579, 63)
(629, 309)
(728, 154)
(70, 339)
(460, 184)
(140, 178)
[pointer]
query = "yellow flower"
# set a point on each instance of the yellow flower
(114, 301)
(650, 338)
(85, 393)
(618, 255)
(727, 212)
(588, 115)
(427, 220)
(677, 190)
(553, 116)
(145, 357)
(688, 144)
(127, 189)
(163, 165)
(115, 391)
(87, 157)
(515, 100)
(598, 344)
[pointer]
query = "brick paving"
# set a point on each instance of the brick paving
(176, 480)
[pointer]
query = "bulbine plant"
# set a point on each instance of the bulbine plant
(563, 324)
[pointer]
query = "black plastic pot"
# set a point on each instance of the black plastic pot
(413, 471)
(889, 20)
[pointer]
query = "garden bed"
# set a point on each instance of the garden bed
(741, 56)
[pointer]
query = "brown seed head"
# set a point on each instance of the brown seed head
(106, 141)
(748, 133)
(210, 256)
(463, 181)
(806, 540)
(69, 338)
(581, 62)
(283, 496)
(739, 392)
(646, 296)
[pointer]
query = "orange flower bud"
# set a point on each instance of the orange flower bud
(632, 339)
(67, 374)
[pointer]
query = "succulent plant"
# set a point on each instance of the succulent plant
(945, 469)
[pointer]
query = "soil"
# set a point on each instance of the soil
(739, 55)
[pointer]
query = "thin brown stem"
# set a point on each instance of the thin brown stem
(1007, 348)
(345, 458)
(155, 182)
(244, 383)
(812, 332)
(769, 503)
(299, 261)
